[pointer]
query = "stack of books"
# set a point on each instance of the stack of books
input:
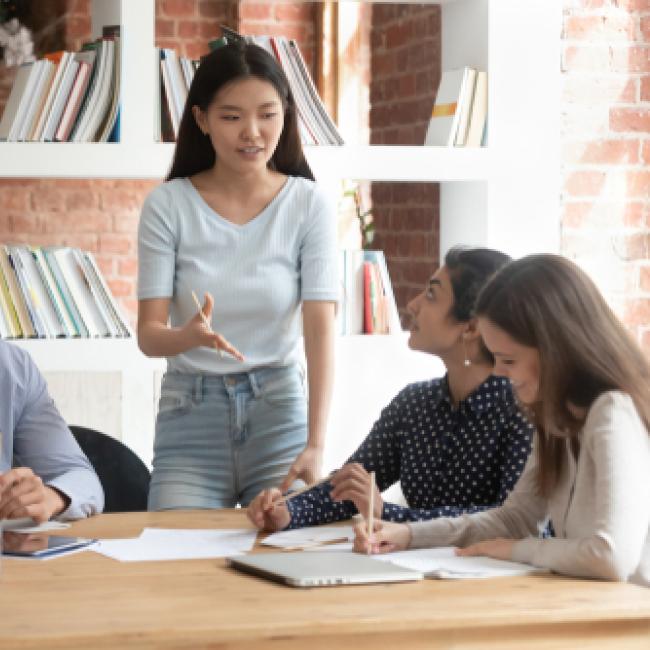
(368, 304)
(174, 75)
(66, 97)
(55, 292)
(459, 115)
(316, 125)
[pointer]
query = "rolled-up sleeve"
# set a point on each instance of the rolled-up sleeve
(43, 442)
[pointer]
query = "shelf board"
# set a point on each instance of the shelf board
(400, 163)
(84, 160)
(111, 160)
(98, 355)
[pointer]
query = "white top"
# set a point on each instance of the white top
(258, 273)
(600, 510)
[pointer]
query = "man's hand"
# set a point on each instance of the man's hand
(352, 483)
(22, 494)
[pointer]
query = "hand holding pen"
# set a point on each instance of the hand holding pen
(208, 337)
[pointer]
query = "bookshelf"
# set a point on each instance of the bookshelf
(518, 43)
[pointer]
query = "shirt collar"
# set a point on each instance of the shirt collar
(482, 398)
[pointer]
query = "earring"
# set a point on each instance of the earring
(467, 362)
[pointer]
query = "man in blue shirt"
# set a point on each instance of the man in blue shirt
(52, 476)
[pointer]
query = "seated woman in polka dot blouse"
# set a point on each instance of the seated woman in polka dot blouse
(456, 444)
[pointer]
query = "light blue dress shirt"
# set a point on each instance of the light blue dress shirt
(35, 435)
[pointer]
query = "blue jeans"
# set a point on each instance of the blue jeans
(220, 439)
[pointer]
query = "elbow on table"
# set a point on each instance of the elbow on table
(612, 564)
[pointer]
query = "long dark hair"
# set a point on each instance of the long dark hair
(548, 303)
(469, 269)
(235, 61)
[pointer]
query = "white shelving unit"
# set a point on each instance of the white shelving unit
(505, 195)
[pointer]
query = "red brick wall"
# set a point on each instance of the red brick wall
(405, 71)
(606, 157)
(102, 216)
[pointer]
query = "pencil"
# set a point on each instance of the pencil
(305, 488)
(205, 320)
(371, 508)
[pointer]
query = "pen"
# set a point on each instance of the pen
(14, 524)
(371, 509)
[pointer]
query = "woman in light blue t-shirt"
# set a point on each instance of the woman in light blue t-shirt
(241, 223)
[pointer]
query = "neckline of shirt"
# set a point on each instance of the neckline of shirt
(257, 219)
(477, 400)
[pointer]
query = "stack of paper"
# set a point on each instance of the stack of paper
(308, 538)
(444, 563)
(155, 544)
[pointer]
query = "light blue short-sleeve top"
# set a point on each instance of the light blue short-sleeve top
(258, 273)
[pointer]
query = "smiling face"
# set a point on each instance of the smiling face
(433, 329)
(244, 123)
(519, 363)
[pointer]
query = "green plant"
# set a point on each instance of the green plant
(366, 223)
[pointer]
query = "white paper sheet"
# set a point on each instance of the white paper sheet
(155, 544)
(444, 563)
(309, 537)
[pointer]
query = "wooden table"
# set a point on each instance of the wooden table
(92, 602)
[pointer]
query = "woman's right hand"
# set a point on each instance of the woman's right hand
(266, 516)
(199, 334)
(386, 538)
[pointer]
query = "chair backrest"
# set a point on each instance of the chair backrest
(123, 475)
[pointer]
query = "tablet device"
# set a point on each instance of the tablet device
(39, 544)
(324, 569)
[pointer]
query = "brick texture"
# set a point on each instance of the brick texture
(606, 151)
(404, 75)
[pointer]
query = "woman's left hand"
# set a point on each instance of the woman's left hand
(307, 467)
(500, 549)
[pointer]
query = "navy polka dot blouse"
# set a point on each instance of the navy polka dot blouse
(449, 461)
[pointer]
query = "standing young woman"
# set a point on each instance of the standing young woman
(587, 385)
(239, 219)
(456, 444)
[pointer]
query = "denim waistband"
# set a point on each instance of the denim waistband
(256, 379)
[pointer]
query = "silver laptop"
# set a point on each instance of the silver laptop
(326, 569)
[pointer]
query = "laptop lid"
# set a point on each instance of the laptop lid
(324, 569)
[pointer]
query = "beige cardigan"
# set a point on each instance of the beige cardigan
(600, 509)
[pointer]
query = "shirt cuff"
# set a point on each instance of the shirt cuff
(85, 494)
(436, 532)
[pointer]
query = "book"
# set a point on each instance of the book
(86, 61)
(393, 324)
(60, 59)
(28, 297)
(37, 291)
(24, 320)
(58, 106)
(79, 326)
(13, 324)
(80, 292)
(445, 116)
(12, 107)
(465, 106)
(478, 116)
(54, 294)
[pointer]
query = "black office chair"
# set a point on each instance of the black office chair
(124, 477)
